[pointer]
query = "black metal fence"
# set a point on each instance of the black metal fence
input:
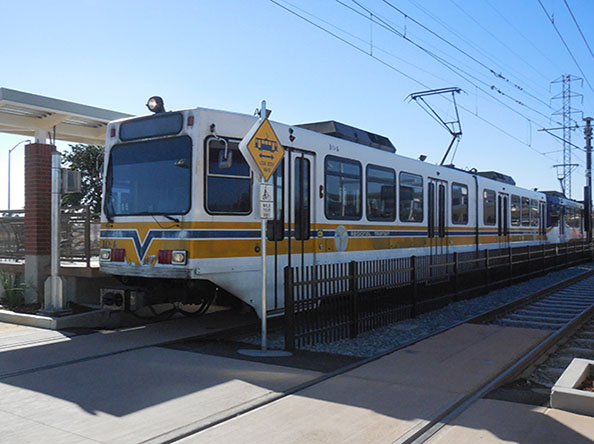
(328, 302)
(79, 235)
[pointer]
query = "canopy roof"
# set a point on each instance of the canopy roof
(42, 117)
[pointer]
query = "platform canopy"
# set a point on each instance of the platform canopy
(47, 118)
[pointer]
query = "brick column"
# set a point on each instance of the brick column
(38, 185)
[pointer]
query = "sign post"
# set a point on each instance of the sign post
(263, 152)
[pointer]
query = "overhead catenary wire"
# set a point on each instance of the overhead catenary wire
(565, 44)
(365, 42)
(578, 27)
(511, 25)
(455, 69)
(490, 69)
(497, 39)
(416, 81)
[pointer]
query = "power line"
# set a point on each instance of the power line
(476, 115)
(495, 37)
(388, 53)
(470, 44)
(349, 43)
(474, 59)
(457, 70)
(578, 27)
(564, 43)
(544, 55)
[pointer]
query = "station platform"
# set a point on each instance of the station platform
(124, 387)
(491, 421)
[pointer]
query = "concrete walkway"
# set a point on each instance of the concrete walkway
(53, 348)
(386, 400)
(115, 387)
(154, 394)
(490, 421)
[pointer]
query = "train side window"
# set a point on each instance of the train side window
(381, 193)
(459, 204)
(525, 212)
(515, 210)
(411, 197)
(228, 188)
(534, 213)
(302, 193)
(489, 213)
(343, 188)
(275, 228)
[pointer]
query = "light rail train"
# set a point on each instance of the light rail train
(180, 213)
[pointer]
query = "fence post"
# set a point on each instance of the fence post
(415, 290)
(529, 261)
(88, 236)
(456, 266)
(556, 256)
(353, 281)
(544, 262)
(289, 311)
(486, 268)
(510, 263)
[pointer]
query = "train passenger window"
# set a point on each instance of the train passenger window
(381, 193)
(275, 228)
(343, 188)
(525, 212)
(459, 204)
(515, 210)
(228, 189)
(302, 193)
(411, 197)
(489, 213)
(534, 213)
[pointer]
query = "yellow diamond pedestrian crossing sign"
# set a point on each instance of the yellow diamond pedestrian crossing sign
(265, 149)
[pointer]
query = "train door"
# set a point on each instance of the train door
(290, 230)
(542, 222)
(436, 222)
(562, 210)
(302, 246)
(503, 220)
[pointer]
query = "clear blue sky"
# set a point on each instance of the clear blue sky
(230, 54)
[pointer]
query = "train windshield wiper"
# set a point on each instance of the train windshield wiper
(174, 219)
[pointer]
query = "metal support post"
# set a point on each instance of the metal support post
(53, 300)
(588, 196)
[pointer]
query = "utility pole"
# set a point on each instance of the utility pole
(588, 196)
(568, 126)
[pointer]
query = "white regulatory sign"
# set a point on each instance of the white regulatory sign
(266, 210)
(266, 192)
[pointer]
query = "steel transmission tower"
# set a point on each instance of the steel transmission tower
(569, 125)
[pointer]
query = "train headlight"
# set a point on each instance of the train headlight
(156, 105)
(179, 257)
(105, 254)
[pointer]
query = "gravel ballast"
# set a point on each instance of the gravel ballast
(379, 341)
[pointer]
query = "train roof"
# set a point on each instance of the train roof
(558, 197)
(347, 132)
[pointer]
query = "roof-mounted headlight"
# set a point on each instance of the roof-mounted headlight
(156, 105)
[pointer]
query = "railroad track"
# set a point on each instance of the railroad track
(579, 345)
(567, 310)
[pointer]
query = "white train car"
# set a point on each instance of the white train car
(180, 213)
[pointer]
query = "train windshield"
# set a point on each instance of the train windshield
(149, 177)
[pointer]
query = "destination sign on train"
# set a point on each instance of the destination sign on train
(265, 149)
